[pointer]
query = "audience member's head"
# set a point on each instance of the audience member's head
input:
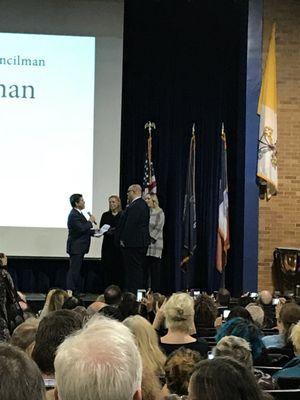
(205, 311)
(245, 300)
(179, 367)
(3, 260)
(289, 315)
(20, 378)
(72, 302)
(147, 342)
(95, 307)
(112, 295)
(239, 311)
(223, 297)
(179, 312)
(52, 331)
(24, 334)
(129, 305)
(54, 301)
(244, 329)
(158, 299)
(101, 361)
(223, 378)
(111, 312)
(257, 314)
(265, 298)
(235, 347)
(295, 338)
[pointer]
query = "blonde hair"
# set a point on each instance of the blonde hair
(295, 337)
(155, 200)
(179, 312)
(146, 339)
(114, 196)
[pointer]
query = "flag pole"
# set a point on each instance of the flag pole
(150, 125)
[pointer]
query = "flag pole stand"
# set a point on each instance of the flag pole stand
(222, 283)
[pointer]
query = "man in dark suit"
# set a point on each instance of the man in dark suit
(134, 238)
(79, 239)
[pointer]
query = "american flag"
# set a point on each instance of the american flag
(149, 181)
(189, 211)
(223, 243)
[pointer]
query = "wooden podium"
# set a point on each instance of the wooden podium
(286, 269)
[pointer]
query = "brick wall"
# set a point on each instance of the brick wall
(279, 219)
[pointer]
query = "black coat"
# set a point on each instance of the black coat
(80, 233)
(133, 230)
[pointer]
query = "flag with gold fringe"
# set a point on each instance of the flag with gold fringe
(149, 180)
(223, 243)
(267, 109)
(189, 211)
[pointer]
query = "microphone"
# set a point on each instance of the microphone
(90, 214)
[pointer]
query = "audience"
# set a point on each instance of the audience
(206, 313)
(129, 305)
(223, 298)
(147, 343)
(246, 330)
(288, 316)
(54, 301)
(239, 311)
(239, 349)
(265, 301)
(223, 378)
(72, 302)
(179, 315)
(292, 368)
(52, 331)
(257, 314)
(112, 295)
(179, 367)
(24, 334)
(101, 361)
(11, 314)
(20, 378)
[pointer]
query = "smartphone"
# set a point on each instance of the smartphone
(140, 294)
(275, 302)
(226, 313)
(196, 293)
(253, 294)
(210, 355)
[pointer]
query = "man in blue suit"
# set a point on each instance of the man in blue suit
(79, 239)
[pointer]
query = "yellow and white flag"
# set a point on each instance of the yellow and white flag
(267, 109)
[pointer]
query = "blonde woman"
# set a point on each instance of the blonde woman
(154, 252)
(147, 343)
(153, 359)
(111, 258)
(54, 301)
(179, 315)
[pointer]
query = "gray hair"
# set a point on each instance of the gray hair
(20, 377)
(101, 361)
(257, 314)
(236, 347)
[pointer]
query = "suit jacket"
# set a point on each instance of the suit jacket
(80, 233)
(133, 230)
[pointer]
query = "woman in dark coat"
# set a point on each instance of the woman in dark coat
(111, 258)
(11, 314)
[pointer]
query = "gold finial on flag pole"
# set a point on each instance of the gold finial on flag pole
(193, 129)
(223, 134)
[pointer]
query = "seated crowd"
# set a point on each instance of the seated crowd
(181, 347)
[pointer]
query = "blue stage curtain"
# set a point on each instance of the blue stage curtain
(184, 62)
